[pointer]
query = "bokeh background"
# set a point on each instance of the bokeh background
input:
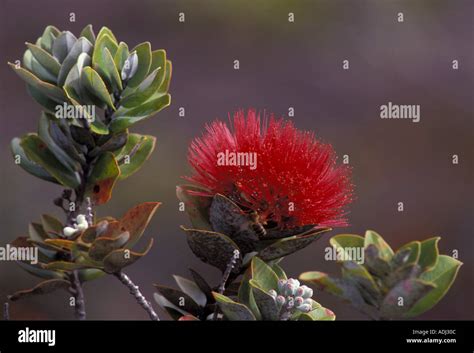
(282, 65)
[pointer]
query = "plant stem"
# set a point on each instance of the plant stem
(225, 277)
(76, 290)
(135, 291)
(76, 285)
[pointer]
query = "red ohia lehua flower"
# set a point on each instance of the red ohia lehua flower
(266, 165)
(260, 187)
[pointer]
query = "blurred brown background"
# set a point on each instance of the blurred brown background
(282, 65)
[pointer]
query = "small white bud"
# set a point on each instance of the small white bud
(299, 291)
(306, 308)
(307, 292)
(280, 300)
(308, 301)
(69, 231)
(290, 289)
(281, 285)
(273, 293)
(82, 226)
(81, 219)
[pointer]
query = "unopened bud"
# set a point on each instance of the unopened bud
(280, 300)
(299, 291)
(273, 293)
(281, 285)
(306, 308)
(130, 67)
(294, 282)
(69, 231)
(299, 301)
(289, 289)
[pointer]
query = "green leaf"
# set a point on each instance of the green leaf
(233, 311)
(36, 68)
(90, 274)
(322, 281)
(121, 55)
(118, 259)
(358, 274)
(136, 220)
(228, 218)
(263, 275)
(202, 284)
(428, 253)
(410, 291)
(52, 225)
(105, 172)
(102, 246)
(110, 143)
(442, 276)
(144, 61)
(177, 300)
(196, 206)
(109, 73)
(106, 31)
(158, 59)
(88, 32)
(374, 263)
(342, 241)
(37, 233)
(49, 90)
(38, 271)
(319, 314)
(28, 165)
(37, 151)
(279, 272)
(385, 251)
(290, 245)
(83, 45)
(44, 132)
(124, 118)
(94, 83)
(213, 248)
(104, 41)
(63, 45)
(96, 125)
(48, 104)
(265, 302)
(45, 59)
(135, 153)
(165, 85)
(191, 289)
(245, 295)
(144, 90)
(63, 266)
(44, 287)
(413, 255)
(48, 37)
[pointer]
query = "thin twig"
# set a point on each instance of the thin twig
(135, 291)
(76, 290)
(6, 311)
(89, 213)
(225, 277)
